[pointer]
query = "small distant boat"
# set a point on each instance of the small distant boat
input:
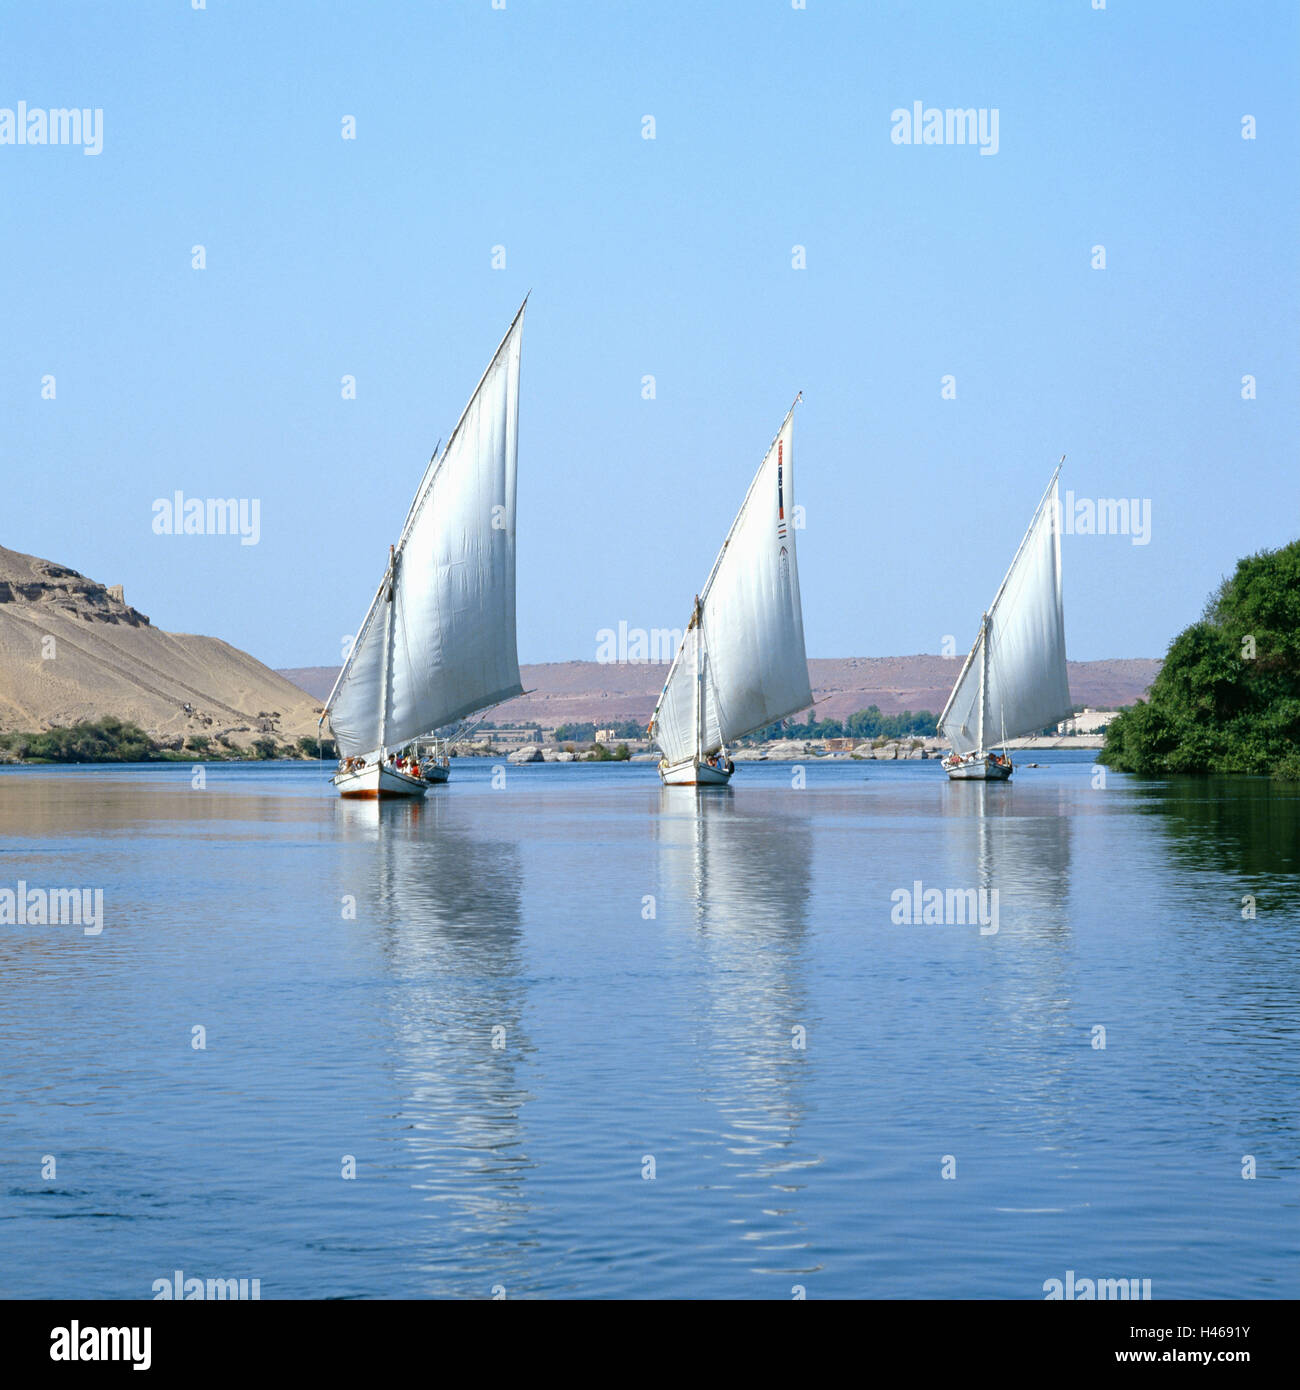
(741, 664)
(438, 642)
(1014, 681)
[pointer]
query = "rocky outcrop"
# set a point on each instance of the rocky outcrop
(73, 650)
(895, 749)
(529, 753)
(26, 579)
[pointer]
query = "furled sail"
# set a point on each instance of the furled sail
(439, 640)
(748, 640)
(1027, 687)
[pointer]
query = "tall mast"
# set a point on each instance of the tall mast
(984, 679)
(699, 682)
(386, 685)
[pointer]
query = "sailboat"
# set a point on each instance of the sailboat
(741, 664)
(438, 641)
(1014, 681)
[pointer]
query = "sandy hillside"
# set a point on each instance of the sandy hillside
(581, 691)
(109, 659)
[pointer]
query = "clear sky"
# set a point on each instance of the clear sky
(523, 127)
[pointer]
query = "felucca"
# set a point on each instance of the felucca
(1014, 681)
(741, 664)
(438, 641)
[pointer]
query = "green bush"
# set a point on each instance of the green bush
(866, 724)
(1227, 698)
(107, 740)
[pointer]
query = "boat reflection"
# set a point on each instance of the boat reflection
(737, 867)
(1014, 838)
(444, 884)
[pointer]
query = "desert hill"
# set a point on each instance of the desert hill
(574, 692)
(72, 649)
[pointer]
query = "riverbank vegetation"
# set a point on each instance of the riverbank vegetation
(113, 740)
(866, 724)
(1227, 698)
(586, 733)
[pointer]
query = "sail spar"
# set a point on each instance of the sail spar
(1027, 686)
(439, 639)
(748, 642)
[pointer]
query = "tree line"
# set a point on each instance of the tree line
(1227, 698)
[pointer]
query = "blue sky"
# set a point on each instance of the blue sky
(672, 257)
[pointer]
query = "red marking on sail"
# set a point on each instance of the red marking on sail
(780, 486)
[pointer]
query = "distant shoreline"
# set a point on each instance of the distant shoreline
(606, 694)
(773, 751)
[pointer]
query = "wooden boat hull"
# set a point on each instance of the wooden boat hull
(376, 782)
(979, 767)
(693, 773)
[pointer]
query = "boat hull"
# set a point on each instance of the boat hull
(693, 773)
(979, 767)
(376, 782)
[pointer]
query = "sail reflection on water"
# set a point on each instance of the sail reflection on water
(738, 869)
(445, 882)
(1017, 841)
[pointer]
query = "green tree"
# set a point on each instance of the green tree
(106, 740)
(1227, 698)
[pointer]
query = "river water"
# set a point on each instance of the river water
(579, 1035)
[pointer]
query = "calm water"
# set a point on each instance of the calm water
(624, 1037)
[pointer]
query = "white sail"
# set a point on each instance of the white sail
(1027, 687)
(673, 724)
(439, 640)
(749, 638)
